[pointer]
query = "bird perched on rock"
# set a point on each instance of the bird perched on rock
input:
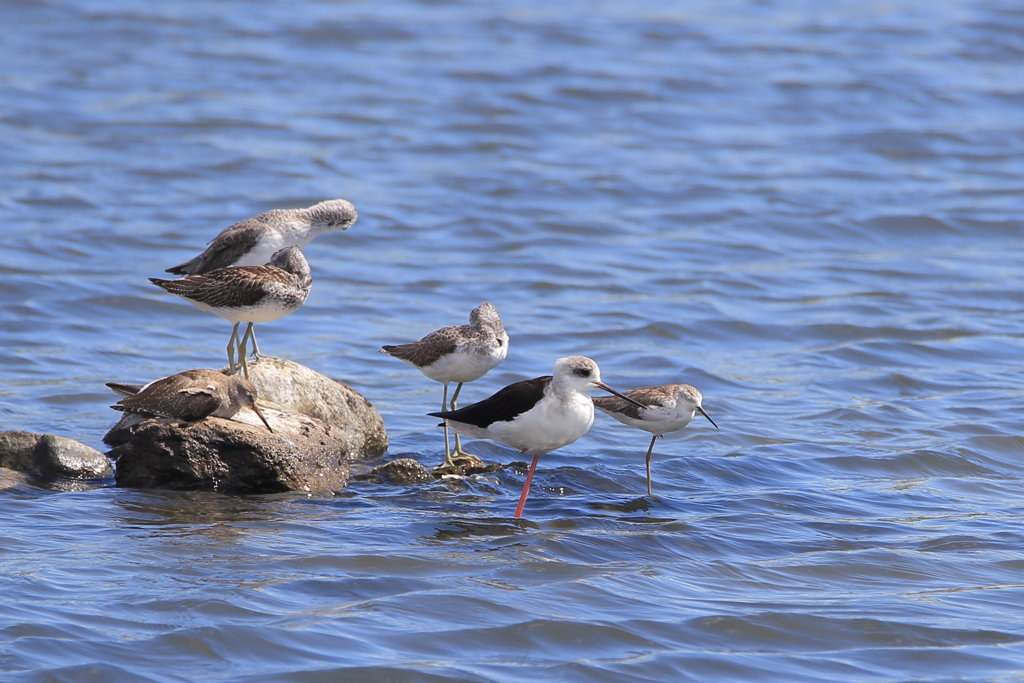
(248, 294)
(536, 416)
(253, 241)
(191, 395)
(461, 353)
(662, 409)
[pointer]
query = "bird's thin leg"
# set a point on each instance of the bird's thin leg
(241, 350)
(455, 405)
(447, 448)
(651, 448)
(526, 487)
(255, 346)
(232, 370)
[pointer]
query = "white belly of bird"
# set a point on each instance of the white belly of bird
(465, 364)
(549, 426)
(658, 420)
(268, 311)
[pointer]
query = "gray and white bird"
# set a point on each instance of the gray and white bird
(248, 294)
(536, 416)
(661, 409)
(255, 240)
(461, 353)
(191, 395)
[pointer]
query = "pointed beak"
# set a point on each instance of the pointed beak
(257, 411)
(701, 411)
(605, 387)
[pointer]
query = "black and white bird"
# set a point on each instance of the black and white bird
(255, 240)
(192, 395)
(462, 353)
(663, 409)
(248, 294)
(535, 416)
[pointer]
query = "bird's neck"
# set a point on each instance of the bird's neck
(565, 391)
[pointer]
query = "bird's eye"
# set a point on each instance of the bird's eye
(501, 342)
(581, 372)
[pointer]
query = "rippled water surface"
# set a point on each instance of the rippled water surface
(810, 211)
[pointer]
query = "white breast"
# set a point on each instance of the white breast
(658, 419)
(551, 424)
(465, 364)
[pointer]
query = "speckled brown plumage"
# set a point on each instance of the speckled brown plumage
(250, 294)
(649, 396)
(460, 353)
(428, 350)
(191, 395)
(245, 286)
(252, 242)
(667, 408)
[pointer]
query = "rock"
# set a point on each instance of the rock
(302, 454)
(467, 463)
(48, 455)
(403, 472)
(406, 471)
(319, 425)
(297, 389)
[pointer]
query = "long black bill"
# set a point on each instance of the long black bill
(602, 385)
(701, 411)
(257, 411)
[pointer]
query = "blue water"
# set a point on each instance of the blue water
(809, 211)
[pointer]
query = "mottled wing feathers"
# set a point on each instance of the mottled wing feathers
(237, 287)
(188, 404)
(124, 389)
(224, 249)
(429, 350)
(504, 406)
(649, 396)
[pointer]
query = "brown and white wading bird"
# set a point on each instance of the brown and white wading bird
(462, 353)
(536, 416)
(192, 395)
(248, 294)
(666, 408)
(253, 241)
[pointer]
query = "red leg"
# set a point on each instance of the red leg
(526, 487)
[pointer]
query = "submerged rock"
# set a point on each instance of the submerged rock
(407, 471)
(402, 472)
(319, 425)
(467, 463)
(49, 455)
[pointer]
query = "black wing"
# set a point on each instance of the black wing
(503, 406)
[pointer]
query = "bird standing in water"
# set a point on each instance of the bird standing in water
(662, 409)
(461, 353)
(536, 416)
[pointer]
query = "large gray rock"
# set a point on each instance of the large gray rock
(319, 425)
(292, 387)
(48, 455)
(302, 454)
